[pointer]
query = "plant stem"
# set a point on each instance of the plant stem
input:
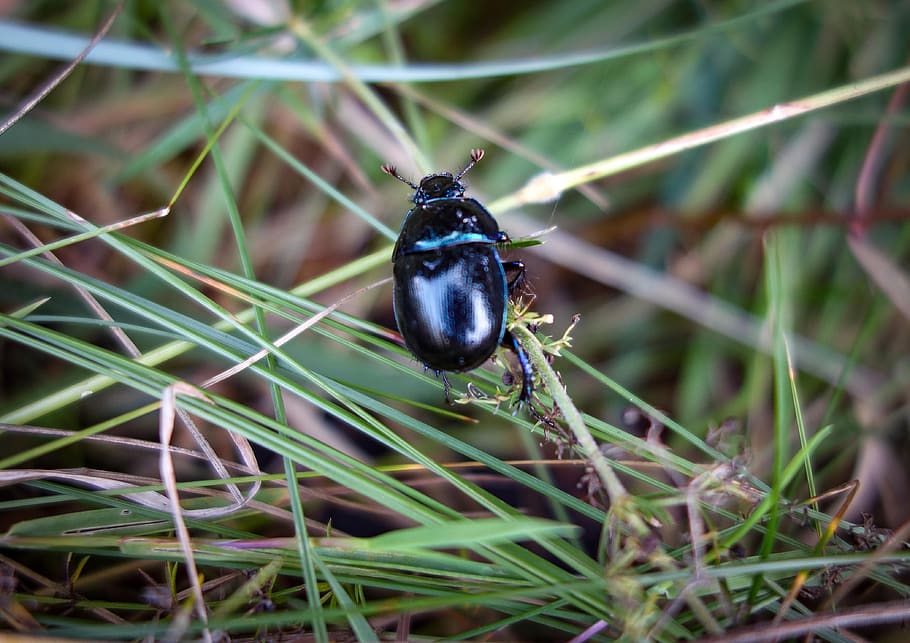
(617, 493)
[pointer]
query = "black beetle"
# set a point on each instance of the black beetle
(450, 291)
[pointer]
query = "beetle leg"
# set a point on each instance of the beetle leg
(446, 387)
(527, 373)
(518, 279)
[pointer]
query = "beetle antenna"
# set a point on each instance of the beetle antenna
(390, 170)
(476, 155)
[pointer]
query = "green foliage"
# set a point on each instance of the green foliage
(195, 238)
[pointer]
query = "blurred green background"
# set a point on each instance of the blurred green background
(688, 272)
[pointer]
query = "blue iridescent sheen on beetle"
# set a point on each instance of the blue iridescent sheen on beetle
(450, 290)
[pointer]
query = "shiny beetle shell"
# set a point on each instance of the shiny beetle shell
(450, 292)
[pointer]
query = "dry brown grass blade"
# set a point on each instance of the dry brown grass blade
(868, 615)
(38, 95)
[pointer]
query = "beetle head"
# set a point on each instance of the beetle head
(437, 186)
